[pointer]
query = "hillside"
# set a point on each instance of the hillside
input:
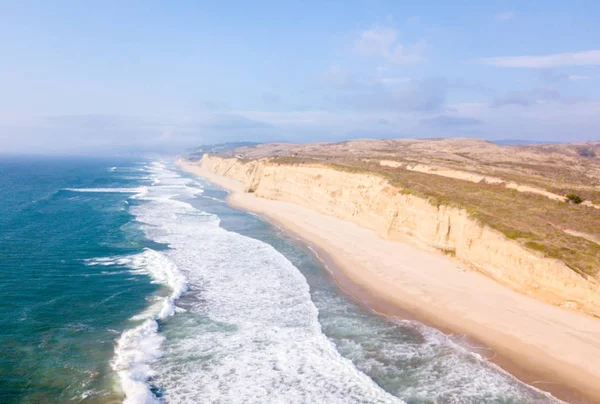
(518, 192)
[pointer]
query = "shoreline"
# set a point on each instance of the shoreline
(385, 308)
(380, 306)
(522, 357)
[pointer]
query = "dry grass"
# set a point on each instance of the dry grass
(532, 220)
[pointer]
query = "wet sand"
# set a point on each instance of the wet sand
(550, 348)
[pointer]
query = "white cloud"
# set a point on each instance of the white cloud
(534, 96)
(576, 77)
(395, 80)
(309, 117)
(553, 76)
(505, 16)
(585, 58)
(383, 42)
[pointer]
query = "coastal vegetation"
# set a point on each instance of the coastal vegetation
(559, 230)
(576, 199)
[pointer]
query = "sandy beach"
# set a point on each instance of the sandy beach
(551, 348)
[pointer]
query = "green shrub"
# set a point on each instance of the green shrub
(576, 199)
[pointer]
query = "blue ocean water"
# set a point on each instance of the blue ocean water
(59, 316)
(125, 280)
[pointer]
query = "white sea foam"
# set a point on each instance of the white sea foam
(422, 364)
(252, 334)
(138, 347)
(214, 199)
(109, 190)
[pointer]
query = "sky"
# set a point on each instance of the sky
(113, 76)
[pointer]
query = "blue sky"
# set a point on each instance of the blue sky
(157, 75)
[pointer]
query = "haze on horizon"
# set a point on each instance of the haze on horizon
(163, 76)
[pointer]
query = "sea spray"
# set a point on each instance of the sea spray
(251, 332)
(138, 347)
(109, 190)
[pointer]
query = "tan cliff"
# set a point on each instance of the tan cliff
(371, 202)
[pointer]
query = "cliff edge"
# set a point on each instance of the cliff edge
(371, 201)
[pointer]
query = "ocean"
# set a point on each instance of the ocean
(126, 280)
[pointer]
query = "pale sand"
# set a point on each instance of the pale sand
(543, 341)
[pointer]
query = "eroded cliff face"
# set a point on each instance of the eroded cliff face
(371, 202)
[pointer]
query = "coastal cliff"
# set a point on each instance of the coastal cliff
(370, 201)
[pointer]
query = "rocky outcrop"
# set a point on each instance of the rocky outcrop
(371, 202)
